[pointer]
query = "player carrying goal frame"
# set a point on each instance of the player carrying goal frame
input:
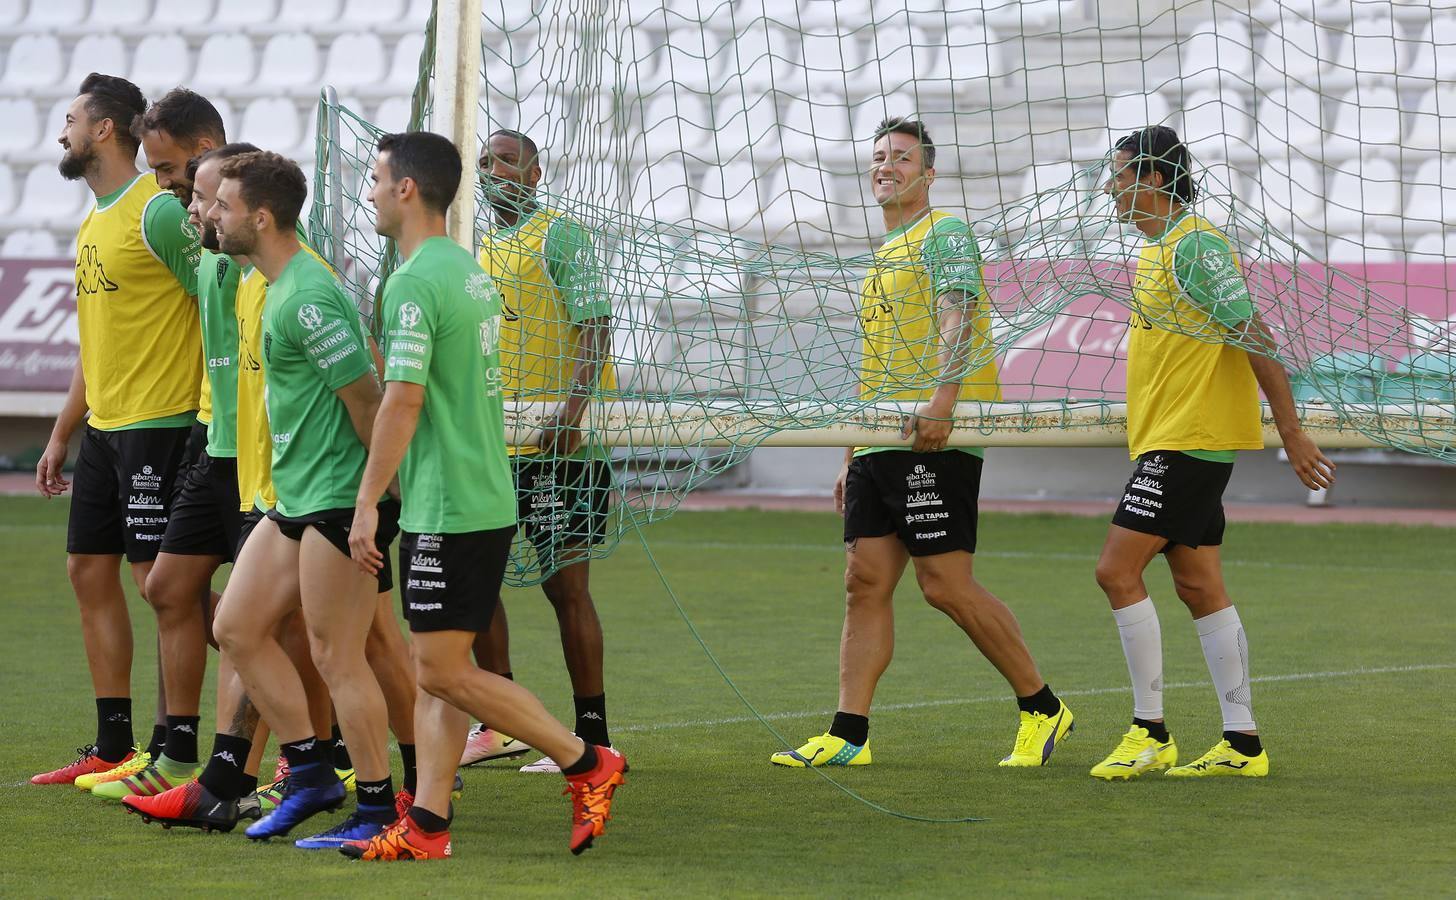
(1197, 355)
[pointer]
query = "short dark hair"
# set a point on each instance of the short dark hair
(1157, 148)
(430, 160)
(226, 151)
(115, 98)
(913, 127)
(269, 181)
(527, 144)
(185, 115)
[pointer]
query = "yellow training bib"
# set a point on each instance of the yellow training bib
(1184, 393)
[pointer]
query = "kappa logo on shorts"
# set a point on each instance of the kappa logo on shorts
(426, 607)
(920, 477)
(930, 536)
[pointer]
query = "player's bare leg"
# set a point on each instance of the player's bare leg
(873, 567)
(339, 600)
(569, 592)
(948, 583)
(177, 588)
(492, 647)
(105, 623)
(389, 658)
(1125, 556)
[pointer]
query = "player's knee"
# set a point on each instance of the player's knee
(1115, 580)
(565, 594)
(86, 575)
(436, 677)
(939, 592)
(863, 582)
(1198, 595)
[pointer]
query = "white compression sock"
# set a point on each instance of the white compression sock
(1227, 652)
(1142, 644)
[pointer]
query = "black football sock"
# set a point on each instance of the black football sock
(584, 765)
(339, 751)
(113, 728)
(159, 740)
(1247, 744)
(1158, 731)
(376, 799)
(428, 821)
(181, 745)
(308, 764)
(591, 720)
(248, 784)
(407, 753)
(852, 728)
(223, 774)
(1043, 701)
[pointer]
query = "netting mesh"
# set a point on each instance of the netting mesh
(718, 155)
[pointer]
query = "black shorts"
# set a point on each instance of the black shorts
(205, 519)
(334, 525)
(928, 499)
(250, 520)
(452, 582)
(562, 503)
(1176, 496)
(122, 490)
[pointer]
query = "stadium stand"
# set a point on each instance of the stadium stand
(1272, 94)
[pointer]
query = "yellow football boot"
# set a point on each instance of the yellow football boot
(1223, 759)
(1138, 753)
(1037, 736)
(138, 760)
(824, 750)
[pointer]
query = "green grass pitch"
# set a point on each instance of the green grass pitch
(1353, 656)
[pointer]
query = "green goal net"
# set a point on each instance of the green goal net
(718, 154)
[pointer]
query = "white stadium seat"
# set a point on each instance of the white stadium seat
(1431, 248)
(225, 60)
(1216, 125)
(96, 53)
(272, 123)
(111, 13)
(56, 13)
(22, 130)
(312, 12)
(7, 189)
(1219, 52)
(1433, 54)
(1291, 190)
(1129, 112)
(1366, 120)
(765, 54)
(867, 115)
(797, 207)
(677, 121)
(832, 59)
(183, 12)
(355, 60)
(11, 11)
(1289, 119)
(162, 61)
(404, 71)
(662, 191)
(35, 60)
(47, 197)
(373, 12)
(1369, 48)
(1433, 126)
(30, 243)
(972, 51)
(1373, 248)
(1291, 49)
(393, 114)
(1364, 195)
(1433, 193)
(289, 60)
(728, 197)
(742, 122)
(232, 13)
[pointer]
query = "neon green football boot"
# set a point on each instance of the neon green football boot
(1037, 736)
(1138, 753)
(157, 778)
(1223, 759)
(138, 760)
(824, 750)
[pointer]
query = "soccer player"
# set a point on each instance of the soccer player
(205, 523)
(322, 395)
(141, 363)
(555, 340)
(441, 427)
(925, 317)
(1197, 356)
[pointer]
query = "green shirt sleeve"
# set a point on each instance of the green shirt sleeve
(571, 261)
(1206, 271)
(408, 324)
(172, 239)
(953, 257)
(324, 326)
